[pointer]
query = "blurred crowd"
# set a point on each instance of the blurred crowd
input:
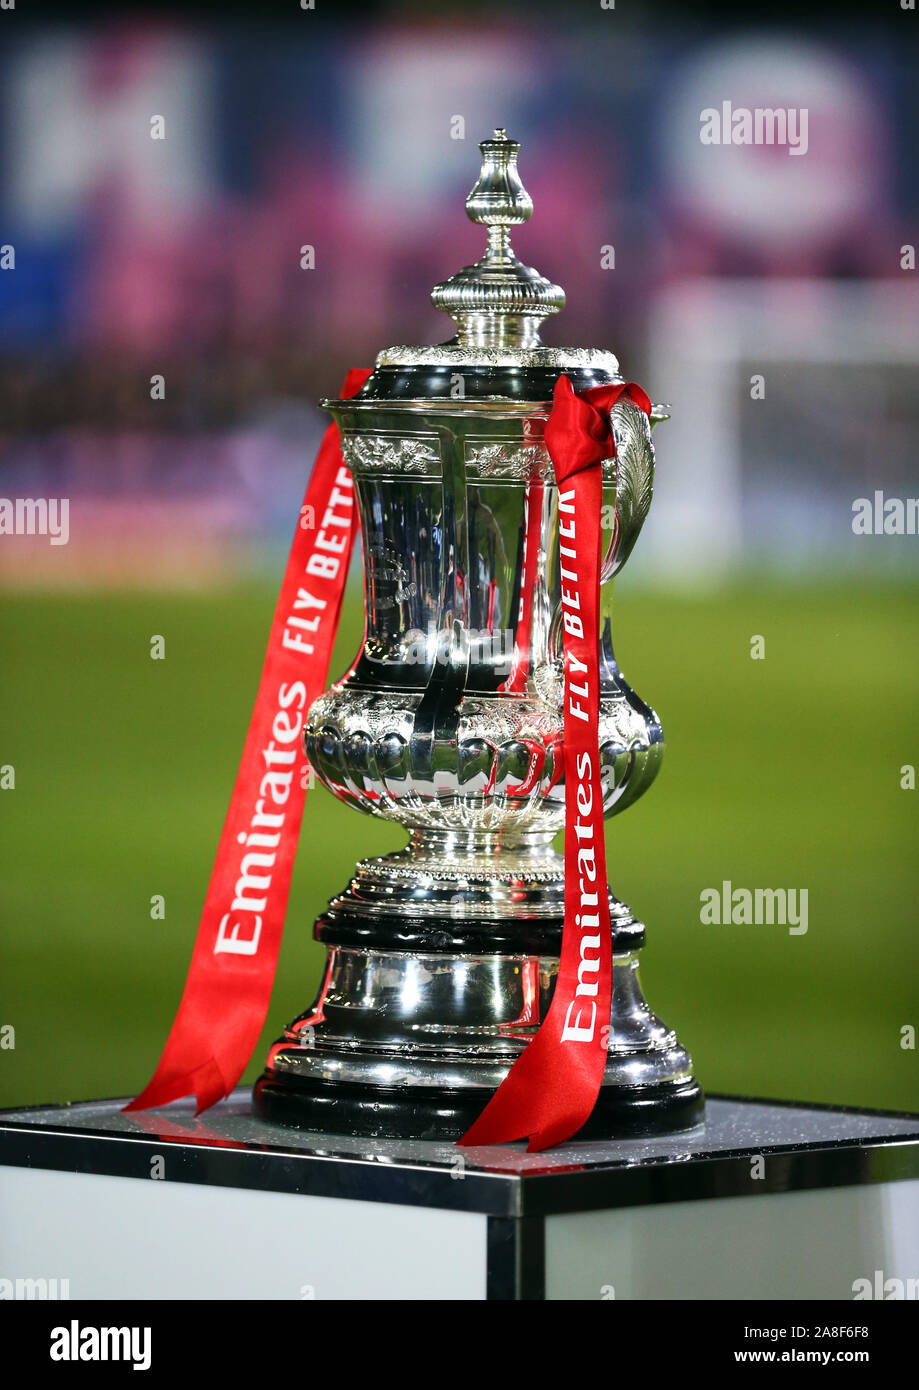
(162, 348)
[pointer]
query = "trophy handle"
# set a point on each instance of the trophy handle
(630, 477)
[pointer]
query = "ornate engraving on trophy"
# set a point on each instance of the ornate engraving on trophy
(391, 453)
(520, 462)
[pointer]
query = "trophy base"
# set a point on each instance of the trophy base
(440, 969)
(403, 1113)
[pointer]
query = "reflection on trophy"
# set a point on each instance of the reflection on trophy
(442, 957)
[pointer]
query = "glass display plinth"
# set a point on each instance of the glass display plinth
(766, 1200)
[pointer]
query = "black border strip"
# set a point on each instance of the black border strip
(491, 1192)
(516, 1259)
(263, 1170)
(787, 1168)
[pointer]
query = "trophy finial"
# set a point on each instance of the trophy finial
(498, 302)
(498, 199)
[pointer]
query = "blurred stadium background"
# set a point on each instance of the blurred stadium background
(180, 257)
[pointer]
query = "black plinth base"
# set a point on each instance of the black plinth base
(824, 1203)
(426, 1113)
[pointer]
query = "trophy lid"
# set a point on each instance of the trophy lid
(498, 302)
(497, 306)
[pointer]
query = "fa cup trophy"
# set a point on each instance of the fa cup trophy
(442, 957)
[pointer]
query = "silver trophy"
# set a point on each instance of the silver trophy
(442, 957)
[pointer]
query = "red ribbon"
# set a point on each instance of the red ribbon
(228, 989)
(551, 1089)
(532, 535)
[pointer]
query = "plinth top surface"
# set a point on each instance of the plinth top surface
(803, 1147)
